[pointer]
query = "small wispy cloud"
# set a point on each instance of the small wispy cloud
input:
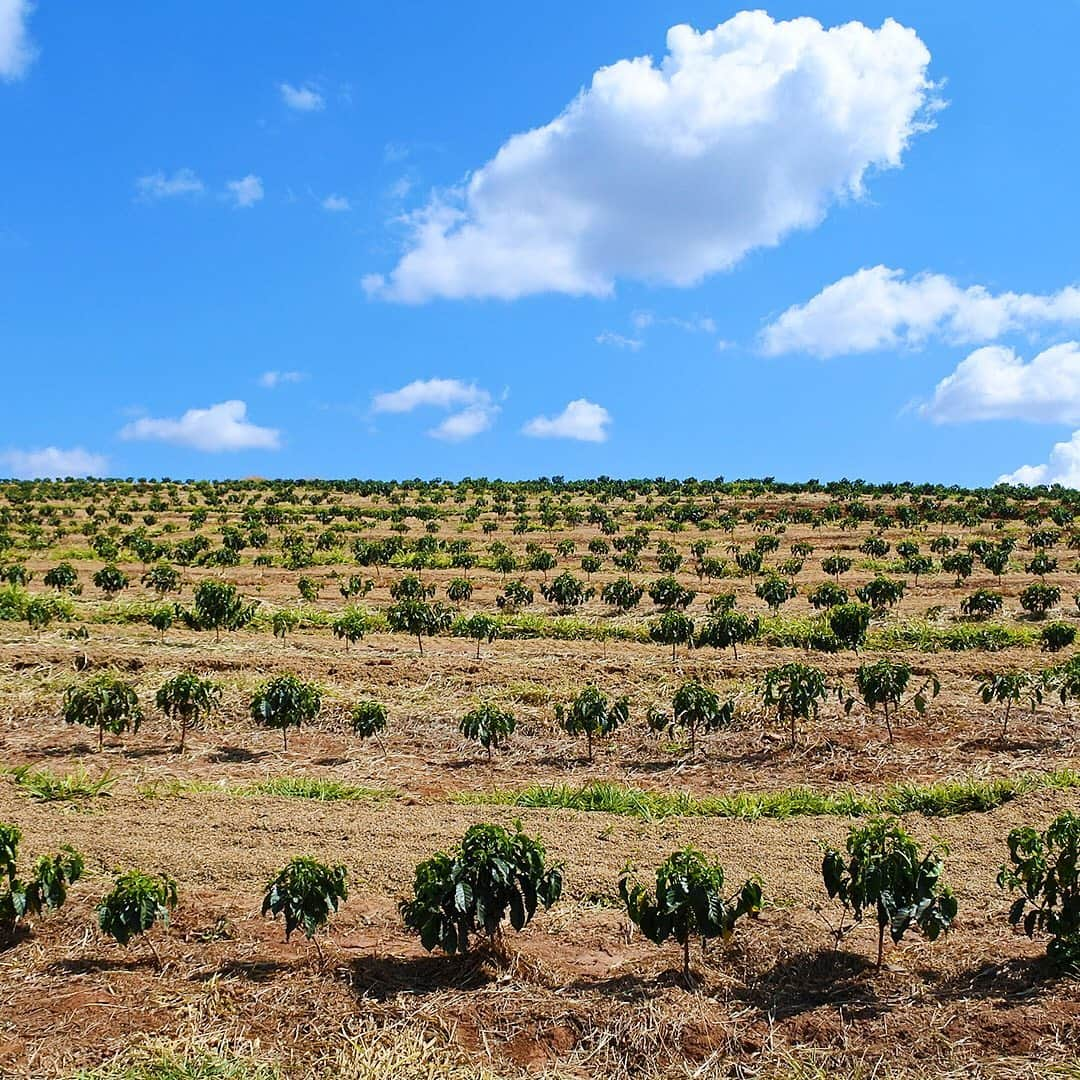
(159, 185)
(244, 193)
(302, 98)
(270, 380)
(619, 341)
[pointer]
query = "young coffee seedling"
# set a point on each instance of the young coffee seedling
(493, 876)
(796, 691)
(489, 726)
(284, 702)
(694, 709)
(1044, 867)
(104, 701)
(1009, 688)
(46, 887)
(368, 719)
(885, 683)
(689, 902)
(883, 872)
(307, 892)
(187, 698)
(136, 901)
(592, 715)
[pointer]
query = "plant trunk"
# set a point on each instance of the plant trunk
(100, 737)
(880, 945)
(888, 722)
(1005, 721)
(183, 729)
(420, 643)
(285, 737)
(157, 958)
(686, 961)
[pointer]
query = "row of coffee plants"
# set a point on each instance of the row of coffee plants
(497, 879)
(793, 693)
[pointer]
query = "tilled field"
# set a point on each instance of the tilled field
(581, 995)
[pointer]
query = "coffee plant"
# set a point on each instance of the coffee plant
(488, 725)
(45, 889)
(796, 691)
(1008, 689)
(883, 873)
(135, 903)
(592, 715)
(492, 877)
(1044, 867)
(188, 699)
(884, 683)
(103, 701)
(307, 892)
(695, 708)
(368, 719)
(285, 701)
(689, 902)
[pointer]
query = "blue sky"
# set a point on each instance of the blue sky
(788, 249)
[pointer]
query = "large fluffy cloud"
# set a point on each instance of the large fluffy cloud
(582, 419)
(671, 171)
(1062, 468)
(224, 426)
(16, 50)
(50, 461)
(994, 383)
(879, 308)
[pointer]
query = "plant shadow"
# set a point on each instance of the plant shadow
(385, 977)
(807, 980)
(234, 755)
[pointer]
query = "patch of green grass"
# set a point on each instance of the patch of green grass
(927, 637)
(942, 799)
(47, 786)
(309, 787)
(286, 787)
(170, 1062)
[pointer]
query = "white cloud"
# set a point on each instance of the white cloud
(878, 308)
(270, 380)
(698, 324)
(51, 461)
(301, 98)
(994, 383)
(1062, 468)
(159, 186)
(581, 419)
(220, 427)
(246, 192)
(442, 393)
(336, 204)
(619, 341)
(17, 51)
(465, 424)
(671, 171)
(475, 409)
